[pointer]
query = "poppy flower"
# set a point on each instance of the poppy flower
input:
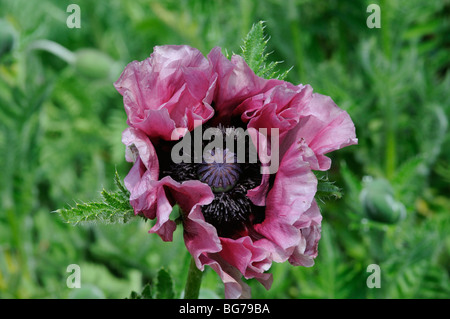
(236, 152)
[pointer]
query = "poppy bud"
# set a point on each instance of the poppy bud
(93, 63)
(7, 37)
(379, 202)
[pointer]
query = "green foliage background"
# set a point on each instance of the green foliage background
(60, 142)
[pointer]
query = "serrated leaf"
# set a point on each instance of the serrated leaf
(115, 200)
(114, 208)
(145, 294)
(254, 47)
(327, 189)
(134, 295)
(254, 53)
(408, 171)
(164, 287)
(123, 191)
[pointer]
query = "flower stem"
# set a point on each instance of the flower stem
(193, 282)
(54, 48)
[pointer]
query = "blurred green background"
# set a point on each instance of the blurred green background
(60, 141)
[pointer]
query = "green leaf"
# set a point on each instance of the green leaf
(326, 189)
(134, 295)
(409, 171)
(164, 286)
(114, 208)
(145, 294)
(123, 191)
(254, 53)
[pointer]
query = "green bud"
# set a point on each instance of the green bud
(379, 202)
(7, 37)
(93, 63)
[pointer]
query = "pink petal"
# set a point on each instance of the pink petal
(139, 145)
(235, 288)
(190, 195)
(276, 108)
(250, 260)
(262, 146)
(156, 198)
(200, 237)
(235, 83)
(258, 194)
(309, 226)
(168, 90)
(325, 128)
(146, 166)
(291, 195)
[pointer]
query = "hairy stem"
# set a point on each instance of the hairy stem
(193, 282)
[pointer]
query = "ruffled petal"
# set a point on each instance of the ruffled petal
(309, 225)
(276, 108)
(235, 83)
(325, 127)
(189, 195)
(291, 195)
(250, 260)
(140, 150)
(139, 145)
(168, 90)
(235, 287)
(200, 237)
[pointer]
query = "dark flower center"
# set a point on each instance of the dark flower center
(231, 212)
(219, 170)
